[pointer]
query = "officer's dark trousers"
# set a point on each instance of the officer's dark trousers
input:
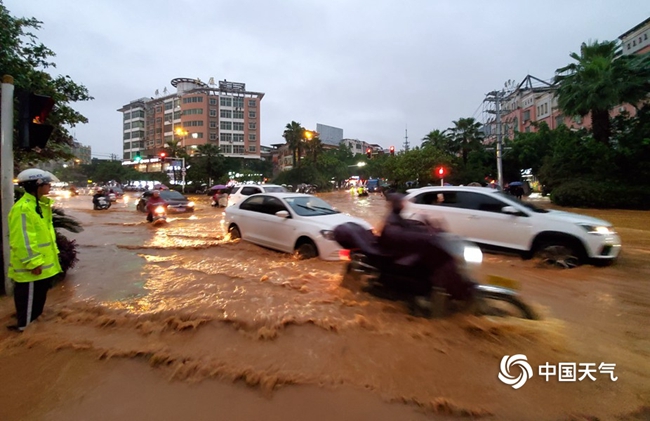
(29, 298)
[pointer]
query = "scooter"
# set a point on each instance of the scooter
(371, 268)
(101, 203)
(159, 216)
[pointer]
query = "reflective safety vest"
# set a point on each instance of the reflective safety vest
(32, 240)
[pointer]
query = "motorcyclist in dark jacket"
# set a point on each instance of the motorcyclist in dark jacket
(412, 243)
(98, 193)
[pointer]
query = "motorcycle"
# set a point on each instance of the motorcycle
(159, 216)
(371, 268)
(101, 203)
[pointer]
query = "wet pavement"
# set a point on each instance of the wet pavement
(183, 313)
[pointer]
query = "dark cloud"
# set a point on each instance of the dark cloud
(371, 67)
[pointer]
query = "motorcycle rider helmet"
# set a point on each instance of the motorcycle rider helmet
(35, 177)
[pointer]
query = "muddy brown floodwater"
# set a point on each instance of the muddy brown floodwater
(178, 323)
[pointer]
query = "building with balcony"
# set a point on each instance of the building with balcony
(224, 114)
(637, 39)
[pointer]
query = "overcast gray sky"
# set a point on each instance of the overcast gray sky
(370, 67)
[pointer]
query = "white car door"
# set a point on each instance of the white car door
(486, 222)
(278, 232)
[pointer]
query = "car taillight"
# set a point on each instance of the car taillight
(344, 254)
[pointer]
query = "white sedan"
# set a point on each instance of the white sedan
(289, 222)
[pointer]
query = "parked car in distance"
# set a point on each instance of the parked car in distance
(296, 223)
(177, 203)
(499, 221)
(373, 185)
(244, 190)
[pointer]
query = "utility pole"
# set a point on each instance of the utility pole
(7, 172)
(496, 97)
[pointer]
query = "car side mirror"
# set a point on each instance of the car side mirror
(510, 210)
(282, 214)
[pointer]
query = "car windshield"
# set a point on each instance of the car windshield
(310, 206)
(521, 202)
(274, 189)
(171, 194)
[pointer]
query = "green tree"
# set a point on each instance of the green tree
(466, 136)
(436, 139)
(29, 62)
(600, 79)
(293, 134)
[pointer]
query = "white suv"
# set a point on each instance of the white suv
(499, 221)
(244, 190)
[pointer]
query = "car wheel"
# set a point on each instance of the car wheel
(306, 250)
(559, 254)
(234, 232)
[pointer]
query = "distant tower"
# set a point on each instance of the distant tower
(406, 140)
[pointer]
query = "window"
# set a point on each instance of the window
(137, 124)
(158, 109)
(213, 113)
(252, 148)
(193, 111)
(252, 126)
(226, 125)
(127, 136)
(213, 101)
(213, 136)
(252, 137)
(226, 114)
(238, 137)
(272, 205)
(526, 115)
(238, 126)
(238, 114)
(197, 135)
(252, 103)
(127, 145)
(238, 149)
(158, 120)
(252, 114)
(213, 124)
(127, 126)
(127, 116)
(559, 121)
(226, 149)
(190, 100)
(193, 123)
(225, 102)
(137, 114)
(226, 137)
(168, 106)
(238, 102)
(253, 204)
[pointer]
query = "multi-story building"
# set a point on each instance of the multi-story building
(224, 114)
(637, 39)
(329, 136)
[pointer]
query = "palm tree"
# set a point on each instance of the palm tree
(436, 139)
(293, 134)
(600, 79)
(314, 147)
(466, 136)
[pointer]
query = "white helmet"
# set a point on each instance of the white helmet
(36, 176)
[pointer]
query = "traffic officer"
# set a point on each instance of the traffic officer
(34, 256)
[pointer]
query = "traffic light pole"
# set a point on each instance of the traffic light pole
(6, 170)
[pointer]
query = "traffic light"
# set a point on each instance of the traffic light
(163, 155)
(441, 172)
(392, 151)
(33, 111)
(369, 153)
(137, 157)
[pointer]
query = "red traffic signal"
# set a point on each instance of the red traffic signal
(369, 153)
(392, 150)
(441, 172)
(163, 155)
(32, 114)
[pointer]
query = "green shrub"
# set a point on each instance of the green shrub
(586, 193)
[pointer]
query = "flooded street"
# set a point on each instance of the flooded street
(178, 322)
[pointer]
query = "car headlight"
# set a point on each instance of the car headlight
(472, 254)
(327, 234)
(598, 229)
(190, 205)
